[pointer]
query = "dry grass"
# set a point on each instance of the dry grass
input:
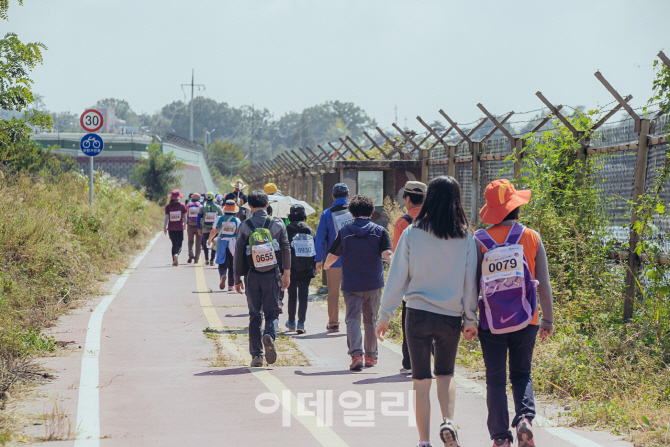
(232, 349)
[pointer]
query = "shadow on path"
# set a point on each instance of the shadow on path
(224, 372)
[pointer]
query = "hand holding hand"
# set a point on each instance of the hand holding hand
(380, 332)
(470, 333)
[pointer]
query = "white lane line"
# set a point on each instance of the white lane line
(88, 408)
(549, 426)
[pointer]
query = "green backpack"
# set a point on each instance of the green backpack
(209, 214)
(261, 250)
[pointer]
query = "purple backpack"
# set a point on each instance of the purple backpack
(192, 214)
(508, 291)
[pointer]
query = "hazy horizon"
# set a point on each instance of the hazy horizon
(286, 55)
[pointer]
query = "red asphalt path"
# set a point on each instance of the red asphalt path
(156, 388)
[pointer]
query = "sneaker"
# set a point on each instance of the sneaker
(281, 307)
(424, 444)
(196, 260)
(190, 259)
(370, 362)
(448, 434)
(333, 328)
(301, 328)
(406, 371)
(270, 353)
(524, 433)
(222, 283)
(356, 363)
(501, 443)
(175, 262)
(230, 288)
(290, 326)
(257, 361)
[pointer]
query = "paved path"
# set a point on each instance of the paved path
(156, 387)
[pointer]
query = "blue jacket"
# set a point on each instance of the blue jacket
(362, 267)
(326, 232)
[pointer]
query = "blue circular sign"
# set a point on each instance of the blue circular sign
(91, 144)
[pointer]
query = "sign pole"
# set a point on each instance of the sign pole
(90, 164)
(91, 144)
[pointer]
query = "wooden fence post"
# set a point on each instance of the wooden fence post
(423, 156)
(475, 150)
(638, 190)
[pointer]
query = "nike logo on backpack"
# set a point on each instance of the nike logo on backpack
(505, 320)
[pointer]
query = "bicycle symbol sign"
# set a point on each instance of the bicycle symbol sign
(91, 144)
(91, 120)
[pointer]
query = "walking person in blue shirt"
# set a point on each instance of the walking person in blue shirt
(332, 220)
(226, 229)
(360, 246)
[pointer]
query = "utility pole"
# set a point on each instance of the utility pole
(193, 85)
(251, 141)
(207, 137)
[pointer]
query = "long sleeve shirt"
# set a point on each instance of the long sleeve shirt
(434, 275)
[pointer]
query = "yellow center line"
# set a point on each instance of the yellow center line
(325, 435)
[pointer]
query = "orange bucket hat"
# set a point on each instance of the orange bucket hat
(501, 199)
(230, 207)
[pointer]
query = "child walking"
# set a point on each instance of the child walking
(303, 267)
(514, 270)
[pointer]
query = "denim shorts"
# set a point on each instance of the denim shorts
(422, 328)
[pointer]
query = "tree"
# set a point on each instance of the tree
(121, 108)
(226, 157)
(158, 174)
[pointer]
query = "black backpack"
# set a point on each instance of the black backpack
(408, 218)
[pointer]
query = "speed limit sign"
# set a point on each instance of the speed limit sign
(91, 120)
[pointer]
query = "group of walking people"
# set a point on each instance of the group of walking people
(448, 280)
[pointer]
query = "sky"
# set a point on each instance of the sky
(285, 55)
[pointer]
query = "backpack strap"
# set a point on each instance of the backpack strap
(268, 222)
(408, 218)
(485, 239)
(515, 234)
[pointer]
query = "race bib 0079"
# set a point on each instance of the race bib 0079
(503, 262)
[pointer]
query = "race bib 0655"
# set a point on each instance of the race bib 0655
(263, 255)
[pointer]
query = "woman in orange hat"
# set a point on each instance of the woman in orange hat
(226, 230)
(508, 314)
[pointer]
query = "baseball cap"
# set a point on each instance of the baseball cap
(415, 187)
(340, 188)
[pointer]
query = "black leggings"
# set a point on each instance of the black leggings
(298, 291)
(205, 250)
(177, 238)
(226, 269)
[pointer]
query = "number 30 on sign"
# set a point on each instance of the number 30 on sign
(91, 120)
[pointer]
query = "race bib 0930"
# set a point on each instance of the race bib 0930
(342, 218)
(304, 248)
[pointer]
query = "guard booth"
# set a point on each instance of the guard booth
(375, 178)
